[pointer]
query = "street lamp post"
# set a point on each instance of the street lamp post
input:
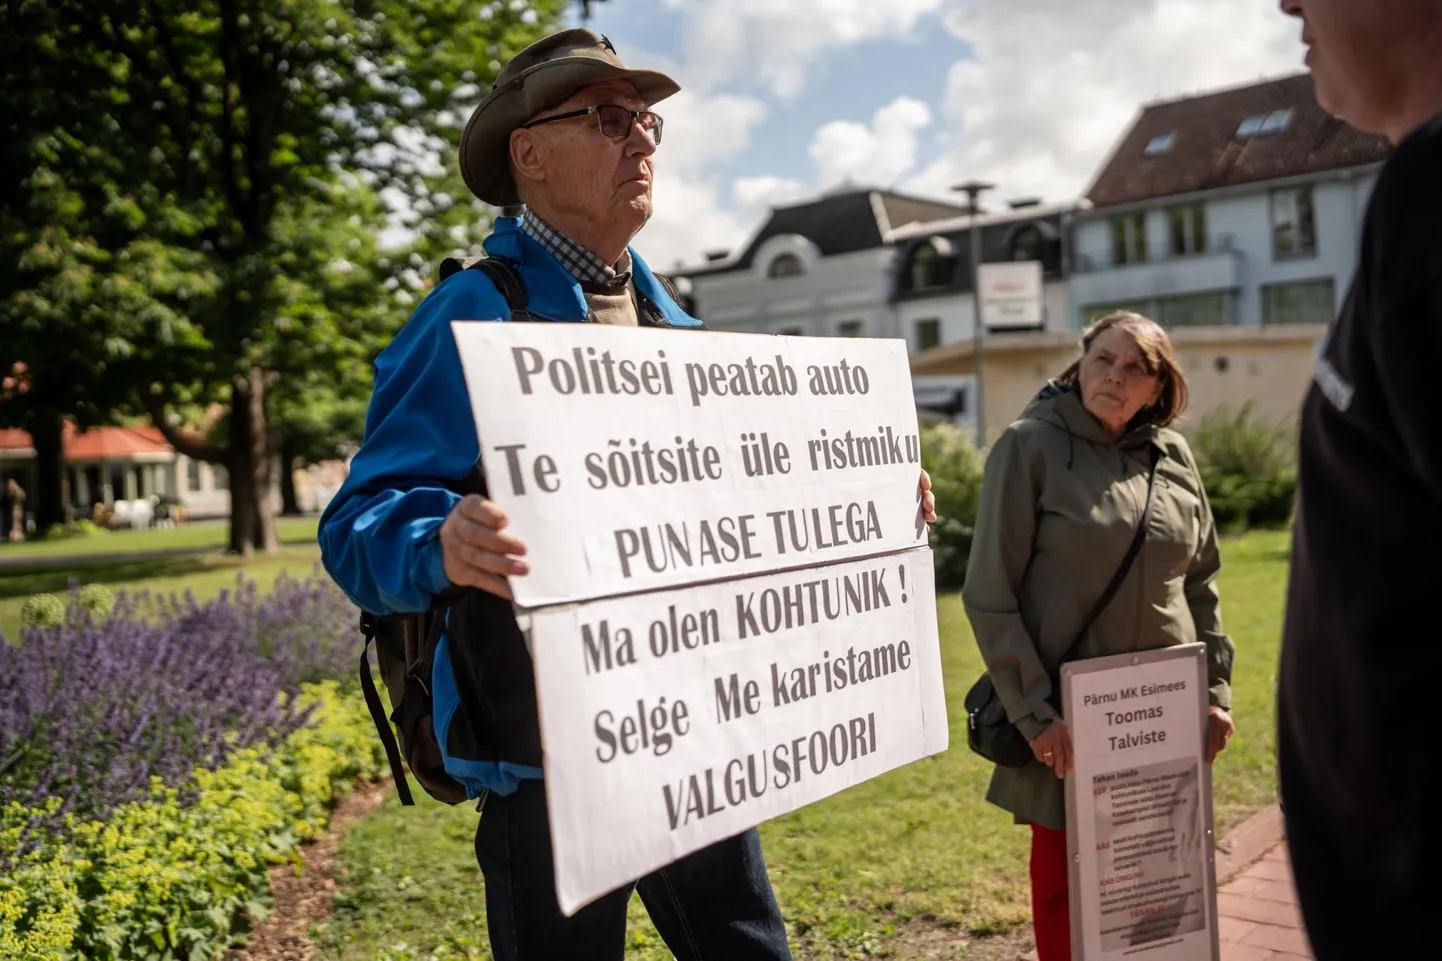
(973, 190)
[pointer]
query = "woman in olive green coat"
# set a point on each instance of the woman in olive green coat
(1064, 489)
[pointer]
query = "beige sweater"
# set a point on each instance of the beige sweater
(618, 309)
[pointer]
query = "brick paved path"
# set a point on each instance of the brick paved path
(1257, 913)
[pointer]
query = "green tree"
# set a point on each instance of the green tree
(218, 126)
(76, 282)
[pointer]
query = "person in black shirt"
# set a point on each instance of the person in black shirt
(1362, 647)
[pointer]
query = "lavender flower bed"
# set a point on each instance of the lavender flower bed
(92, 710)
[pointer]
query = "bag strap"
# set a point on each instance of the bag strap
(378, 713)
(508, 281)
(502, 273)
(1126, 565)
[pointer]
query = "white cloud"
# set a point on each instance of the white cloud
(1055, 83)
(872, 155)
(702, 131)
(754, 196)
(777, 41)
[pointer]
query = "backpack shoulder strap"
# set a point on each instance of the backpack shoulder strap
(649, 311)
(667, 286)
(508, 281)
(502, 273)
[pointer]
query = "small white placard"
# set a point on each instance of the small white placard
(1139, 807)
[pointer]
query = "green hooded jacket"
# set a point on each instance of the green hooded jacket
(1060, 504)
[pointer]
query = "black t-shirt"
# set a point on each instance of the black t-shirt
(1361, 672)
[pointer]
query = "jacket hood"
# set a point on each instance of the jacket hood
(1061, 407)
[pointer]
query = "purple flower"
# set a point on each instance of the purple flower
(91, 711)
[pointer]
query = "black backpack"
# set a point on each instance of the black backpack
(496, 718)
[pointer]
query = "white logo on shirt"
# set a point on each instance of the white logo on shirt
(1337, 390)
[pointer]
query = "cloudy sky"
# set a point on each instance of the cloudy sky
(785, 98)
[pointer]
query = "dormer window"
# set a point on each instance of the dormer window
(1263, 124)
(786, 265)
(927, 264)
(1276, 121)
(925, 270)
(1028, 244)
(1160, 145)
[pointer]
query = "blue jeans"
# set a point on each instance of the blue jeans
(711, 905)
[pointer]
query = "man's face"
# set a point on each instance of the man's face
(1354, 50)
(584, 172)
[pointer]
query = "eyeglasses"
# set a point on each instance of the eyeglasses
(614, 121)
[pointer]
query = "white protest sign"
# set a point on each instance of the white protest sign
(674, 719)
(638, 460)
(1139, 807)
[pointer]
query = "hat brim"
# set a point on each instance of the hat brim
(486, 142)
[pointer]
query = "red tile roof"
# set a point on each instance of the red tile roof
(1206, 151)
(97, 443)
(12, 439)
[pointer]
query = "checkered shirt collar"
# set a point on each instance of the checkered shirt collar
(585, 266)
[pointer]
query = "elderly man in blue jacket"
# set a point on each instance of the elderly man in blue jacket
(568, 132)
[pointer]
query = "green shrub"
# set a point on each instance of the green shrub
(955, 466)
(96, 600)
(1248, 468)
(81, 528)
(180, 875)
(42, 610)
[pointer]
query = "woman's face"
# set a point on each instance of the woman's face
(1114, 380)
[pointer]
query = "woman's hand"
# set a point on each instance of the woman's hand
(928, 499)
(1220, 729)
(1052, 747)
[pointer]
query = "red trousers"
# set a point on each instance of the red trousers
(1050, 899)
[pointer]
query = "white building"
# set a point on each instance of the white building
(1241, 207)
(819, 268)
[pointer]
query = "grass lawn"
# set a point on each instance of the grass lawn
(856, 874)
(205, 535)
(204, 574)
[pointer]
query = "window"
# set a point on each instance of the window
(219, 478)
(928, 333)
(1294, 224)
(1277, 121)
(1028, 244)
(1189, 230)
(849, 328)
(1303, 302)
(925, 267)
(786, 265)
(1096, 312)
(1193, 310)
(1160, 145)
(192, 474)
(1129, 239)
(1264, 124)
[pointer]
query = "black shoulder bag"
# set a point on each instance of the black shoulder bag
(988, 730)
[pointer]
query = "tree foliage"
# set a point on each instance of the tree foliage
(197, 201)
